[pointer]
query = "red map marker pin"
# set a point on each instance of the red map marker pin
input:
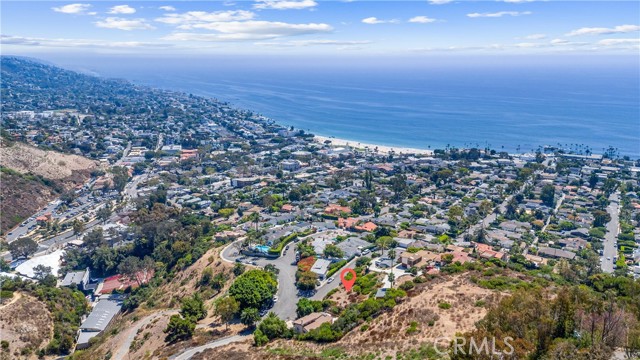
(348, 284)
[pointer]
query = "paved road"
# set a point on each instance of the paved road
(188, 354)
(123, 349)
(22, 230)
(324, 289)
(287, 293)
(610, 239)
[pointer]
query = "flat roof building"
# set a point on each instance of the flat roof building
(78, 278)
(321, 267)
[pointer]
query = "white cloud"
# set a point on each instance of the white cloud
(620, 29)
(124, 24)
(528, 45)
(189, 19)
(122, 9)
(374, 20)
(421, 20)
(517, 1)
(78, 9)
(499, 14)
(439, 2)
(614, 42)
(299, 43)
(535, 36)
(79, 43)
(167, 8)
(284, 4)
(249, 30)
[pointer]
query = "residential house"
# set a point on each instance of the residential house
(310, 322)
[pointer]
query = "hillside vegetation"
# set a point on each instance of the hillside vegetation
(32, 177)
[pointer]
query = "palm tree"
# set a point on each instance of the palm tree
(255, 218)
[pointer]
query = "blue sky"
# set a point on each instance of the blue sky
(321, 27)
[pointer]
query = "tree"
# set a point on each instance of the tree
(94, 238)
(392, 255)
(485, 207)
(193, 308)
(306, 280)
(600, 218)
(295, 195)
(255, 219)
(384, 242)
(41, 271)
(547, 195)
(392, 278)
(511, 208)
(273, 327)
(368, 180)
(250, 317)
(593, 180)
(134, 269)
(104, 259)
(78, 227)
(272, 269)
(254, 289)
(238, 269)
(259, 338)
(399, 185)
(120, 177)
(226, 308)
(104, 213)
(22, 247)
(609, 186)
(332, 250)
(226, 212)
(207, 276)
(179, 329)
(218, 281)
(306, 307)
(456, 215)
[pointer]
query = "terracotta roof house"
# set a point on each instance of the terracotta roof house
(368, 227)
(337, 209)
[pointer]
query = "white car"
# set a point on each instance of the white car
(275, 299)
(330, 280)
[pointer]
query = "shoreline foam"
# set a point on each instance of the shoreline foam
(382, 149)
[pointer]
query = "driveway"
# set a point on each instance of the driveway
(188, 354)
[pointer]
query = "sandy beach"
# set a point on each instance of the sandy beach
(383, 149)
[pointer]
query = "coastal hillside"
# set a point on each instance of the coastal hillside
(26, 326)
(32, 177)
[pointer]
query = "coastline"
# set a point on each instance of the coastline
(382, 149)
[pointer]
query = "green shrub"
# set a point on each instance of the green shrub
(444, 305)
(408, 285)
(277, 249)
(413, 328)
(334, 267)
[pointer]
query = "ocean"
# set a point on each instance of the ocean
(506, 106)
